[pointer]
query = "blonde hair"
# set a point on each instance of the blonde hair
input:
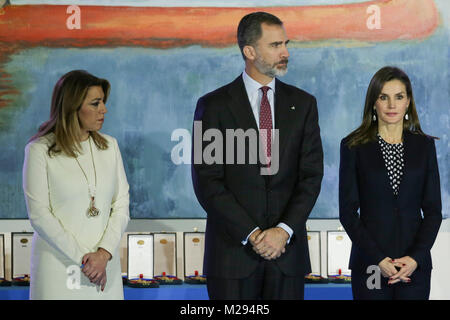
(68, 96)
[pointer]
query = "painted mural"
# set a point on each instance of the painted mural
(161, 56)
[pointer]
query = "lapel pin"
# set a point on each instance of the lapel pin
(292, 108)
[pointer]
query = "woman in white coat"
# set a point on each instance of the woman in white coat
(76, 193)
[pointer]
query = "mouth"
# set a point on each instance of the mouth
(391, 114)
(101, 120)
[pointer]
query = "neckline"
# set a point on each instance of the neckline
(86, 141)
(390, 144)
(251, 85)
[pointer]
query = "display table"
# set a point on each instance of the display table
(195, 292)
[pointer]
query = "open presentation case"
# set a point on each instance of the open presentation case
(314, 246)
(140, 261)
(165, 258)
(21, 258)
(194, 250)
(338, 249)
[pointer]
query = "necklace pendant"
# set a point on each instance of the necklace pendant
(93, 211)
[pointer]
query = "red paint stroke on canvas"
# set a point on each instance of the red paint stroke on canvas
(29, 26)
(169, 27)
(6, 87)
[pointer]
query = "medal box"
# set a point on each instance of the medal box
(140, 261)
(165, 262)
(152, 260)
(314, 246)
(194, 249)
(21, 258)
(3, 281)
(338, 248)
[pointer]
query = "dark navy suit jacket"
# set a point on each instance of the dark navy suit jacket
(237, 198)
(388, 225)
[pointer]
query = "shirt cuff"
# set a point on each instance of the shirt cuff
(286, 228)
(244, 242)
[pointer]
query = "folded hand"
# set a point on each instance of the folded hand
(407, 266)
(270, 243)
(95, 266)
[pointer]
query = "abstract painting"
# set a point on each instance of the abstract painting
(161, 56)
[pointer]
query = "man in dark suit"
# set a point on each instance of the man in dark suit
(256, 245)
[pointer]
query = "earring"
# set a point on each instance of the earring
(374, 117)
(406, 117)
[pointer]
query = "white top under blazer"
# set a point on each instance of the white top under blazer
(57, 199)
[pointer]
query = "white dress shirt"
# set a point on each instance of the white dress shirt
(255, 95)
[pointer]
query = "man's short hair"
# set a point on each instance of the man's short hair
(249, 30)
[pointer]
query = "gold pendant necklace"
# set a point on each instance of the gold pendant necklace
(92, 210)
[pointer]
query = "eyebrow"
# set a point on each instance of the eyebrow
(279, 42)
(401, 92)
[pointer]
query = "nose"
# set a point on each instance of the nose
(391, 103)
(103, 108)
(285, 52)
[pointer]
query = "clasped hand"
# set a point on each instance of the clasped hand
(406, 265)
(95, 266)
(269, 244)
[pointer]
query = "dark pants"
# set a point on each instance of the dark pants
(417, 289)
(267, 282)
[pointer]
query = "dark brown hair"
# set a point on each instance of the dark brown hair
(68, 96)
(249, 29)
(368, 129)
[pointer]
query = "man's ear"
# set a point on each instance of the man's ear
(249, 53)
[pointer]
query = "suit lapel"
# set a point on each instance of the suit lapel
(240, 106)
(407, 158)
(283, 118)
(375, 153)
(243, 114)
(377, 156)
(241, 110)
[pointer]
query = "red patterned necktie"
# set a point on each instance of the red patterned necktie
(265, 122)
